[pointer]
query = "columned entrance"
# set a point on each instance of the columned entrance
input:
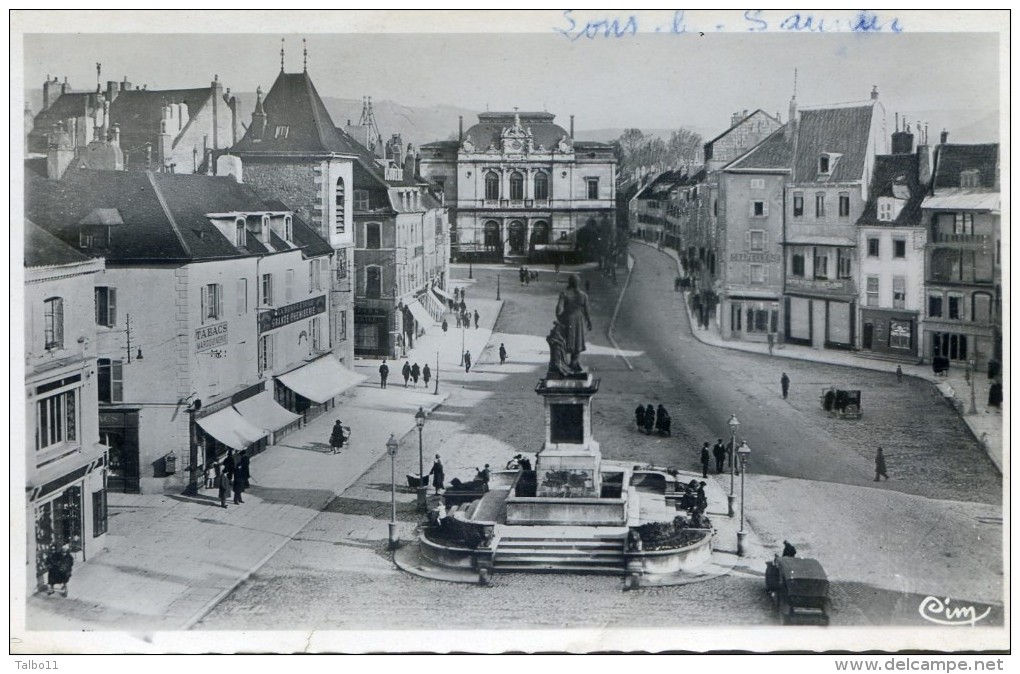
(517, 234)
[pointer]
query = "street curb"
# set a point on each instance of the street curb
(860, 366)
(286, 538)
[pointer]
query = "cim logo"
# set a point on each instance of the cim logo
(939, 611)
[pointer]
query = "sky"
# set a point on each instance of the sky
(644, 80)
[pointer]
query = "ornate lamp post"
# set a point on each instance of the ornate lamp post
(970, 369)
(391, 449)
(743, 452)
(419, 421)
(734, 425)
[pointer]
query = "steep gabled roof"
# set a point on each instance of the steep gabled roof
(42, 249)
(139, 111)
(842, 130)
(741, 123)
(165, 215)
(952, 160)
(895, 175)
(772, 154)
(293, 102)
(305, 236)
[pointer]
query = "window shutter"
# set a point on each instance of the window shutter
(219, 300)
(765, 274)
(111, 300)
(324, 274)
(747, 274)
(747, 240)
(765, 208)
(204, 294)
(116, 381)
(99, 306)
(750, 209)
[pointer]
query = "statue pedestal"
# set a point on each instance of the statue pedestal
(568, 465)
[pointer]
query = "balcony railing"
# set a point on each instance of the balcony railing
(942, 237)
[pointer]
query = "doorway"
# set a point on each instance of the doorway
(868, 337)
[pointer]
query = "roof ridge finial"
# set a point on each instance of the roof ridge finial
(304, 44)
(282, 40)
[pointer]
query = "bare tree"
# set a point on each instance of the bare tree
(685, 147)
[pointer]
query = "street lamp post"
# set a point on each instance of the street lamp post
(391, 449)
(734, 425)
(970, 368)
(497, 288)
(471, 273)
(744, 452)
(462, 330)
(436, 392)
(419, 421)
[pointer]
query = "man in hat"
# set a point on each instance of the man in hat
(437, 473)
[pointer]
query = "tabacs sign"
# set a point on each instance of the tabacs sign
(277, 318)
(210, 336)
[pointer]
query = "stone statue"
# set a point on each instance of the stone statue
(558, 365)
(572, 315)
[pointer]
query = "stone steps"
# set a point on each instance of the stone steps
(566, 553)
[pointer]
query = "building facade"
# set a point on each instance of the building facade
(963, 286)
(833, 154)
(65, 463)
(520, 188)
(171, 130)
(292, 153)
(891, 247)
(211, 318)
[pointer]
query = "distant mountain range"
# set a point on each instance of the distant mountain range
(419, 125)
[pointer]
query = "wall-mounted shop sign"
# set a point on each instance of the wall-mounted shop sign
(277, 318)
(210, 336)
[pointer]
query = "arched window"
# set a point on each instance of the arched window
(491, 186)
(516, 186)
(341, 201)
(372, 236)
(288, 228)
(541, 186)
(373, 282)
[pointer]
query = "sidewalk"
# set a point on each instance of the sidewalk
(171, 558)
(987, 425)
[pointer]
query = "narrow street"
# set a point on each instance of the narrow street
(809, 480)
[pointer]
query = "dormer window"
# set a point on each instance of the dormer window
(240, 233)
(282, 131)
(827, 163)
(265, 229)
(970, 178)
(288, 228)
(823, 164)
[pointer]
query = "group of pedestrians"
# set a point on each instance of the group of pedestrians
(719, 452)
(233, 475)
(411, 373)
(650, 418)
(526, 275)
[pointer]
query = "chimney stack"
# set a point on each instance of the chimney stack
(460, 129)
(874, 92)
(125, 85)
(944, 137)
(571, 127)
(46, 93)
(65, 87)
(111, 91)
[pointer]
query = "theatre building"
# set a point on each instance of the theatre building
(65, 463)
(211, 317)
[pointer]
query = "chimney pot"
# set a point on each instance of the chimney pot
(874, 92)
(944, 136)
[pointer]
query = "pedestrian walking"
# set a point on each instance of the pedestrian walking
(238, 485)
(229, 464)
(244, 469)
(58, 569)
(789, 550)
(406, 371)
(649, 418)
(719, 452)
(426, 374)
(880, 465)
(663, 424)
(502, 354)
(457, 314)
(463, 306)
(705, 459)
(785, 383)
(466, 319)
(384, 372)
(223, 485)
(336, 437)
(476, 319)
(415, 374)
(467, 361)
(899, 374)
(520, 275)
(437, 473)
(772, 342)
(446, 326)
(639, 417)
(527, 276)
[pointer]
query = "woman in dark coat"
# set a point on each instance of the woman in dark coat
(406, 371)
(437, 473)
(426, 374)
(58, 568)
(415, 374)
(230, 464)
(244, 469)
(649, 418)
(336, 438)
(639, 417)
(662, 420)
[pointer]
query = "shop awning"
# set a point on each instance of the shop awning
(442, 293)
(433, 304)
(421, 315)
(264, 412)
(231, 428)
(320, 380)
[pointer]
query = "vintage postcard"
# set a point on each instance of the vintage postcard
(546, 331)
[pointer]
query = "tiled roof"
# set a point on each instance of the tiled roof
(293, 102)
(66, 106)
(139, 111)
(660, 187)
(895, 174)
(775, 152)
(373, 165)
(843, 130)
(42, 249)
(952, 160)
(491, 124)
(164, 214)
(305, 236)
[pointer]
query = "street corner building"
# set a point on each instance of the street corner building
(65, 462)
(210, 323)
(522, 189)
